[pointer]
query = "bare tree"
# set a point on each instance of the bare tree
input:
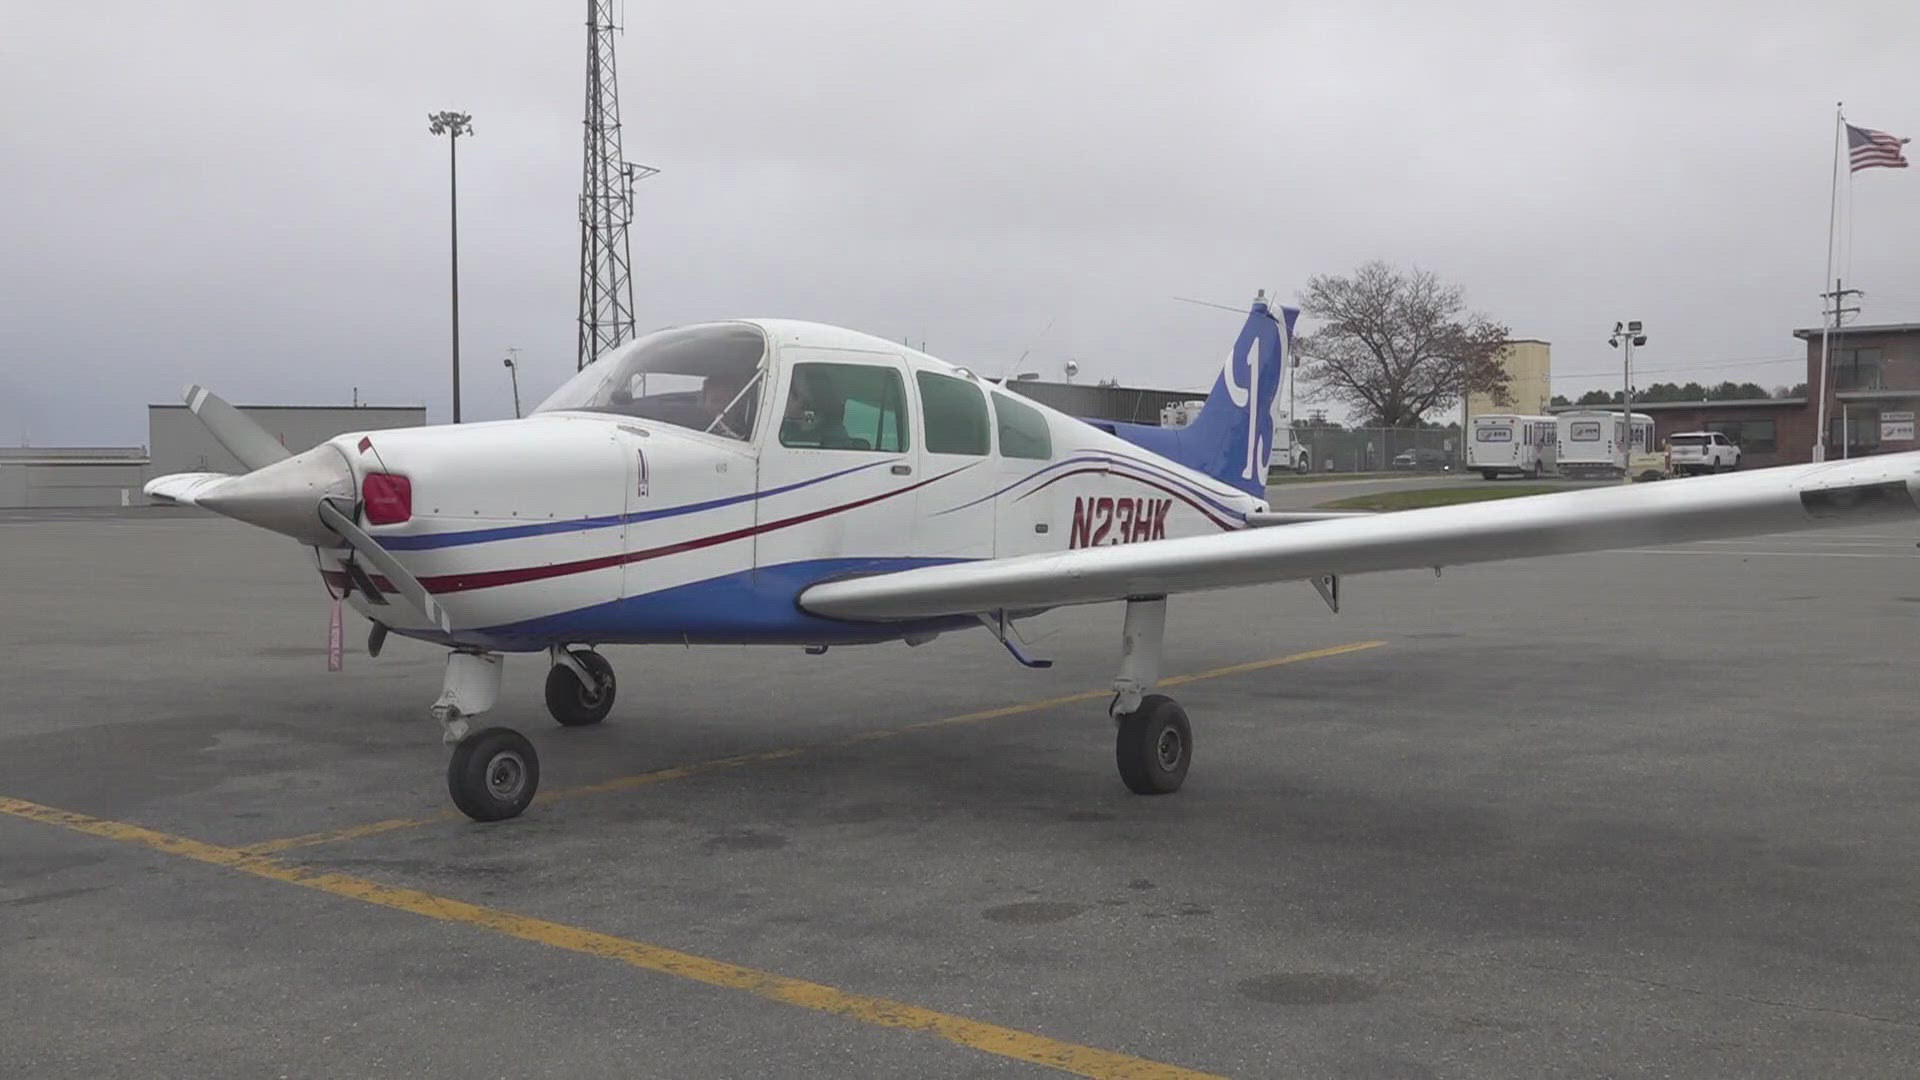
(1397, 345)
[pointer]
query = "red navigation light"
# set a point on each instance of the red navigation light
(388, 499)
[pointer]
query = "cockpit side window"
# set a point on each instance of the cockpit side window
(704, 377)
(955, 414)
(845, 407)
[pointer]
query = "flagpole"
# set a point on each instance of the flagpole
(1826, 321)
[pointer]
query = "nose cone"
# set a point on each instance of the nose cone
(285, 496)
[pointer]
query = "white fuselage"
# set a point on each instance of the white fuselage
(589, 527)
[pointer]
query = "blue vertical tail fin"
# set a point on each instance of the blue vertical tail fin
(1232, 437)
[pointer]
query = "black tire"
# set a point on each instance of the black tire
(1489, 474)
(493, 774)
(1154, 746)
(573, 704)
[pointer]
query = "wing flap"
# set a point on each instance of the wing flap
(1705, 508)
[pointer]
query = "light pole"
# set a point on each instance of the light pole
(1625, 338)
(513, 372)
(453, 125)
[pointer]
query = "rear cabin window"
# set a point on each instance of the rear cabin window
(1584, 431)
(845, 407)
(1023, 429)
(1689, 440)
(1494, 434)
(956, 415)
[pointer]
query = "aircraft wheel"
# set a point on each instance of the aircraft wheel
(573, 704)
(1154, 746)
(493, 774)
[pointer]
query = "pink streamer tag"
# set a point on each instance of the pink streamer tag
(335, 658)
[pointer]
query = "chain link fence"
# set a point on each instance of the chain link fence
(1360, 450)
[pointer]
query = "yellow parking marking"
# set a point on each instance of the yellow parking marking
(975, 1034)
(681, 772)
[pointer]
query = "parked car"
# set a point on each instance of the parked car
(1422, 459)
(1701, 452)
(1650, 467)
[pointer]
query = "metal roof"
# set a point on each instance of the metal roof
(1657, 406)
(1880, 328)
(64, 455)
(344, 407)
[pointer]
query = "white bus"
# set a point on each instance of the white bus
(1509, 445)
(1590, 441)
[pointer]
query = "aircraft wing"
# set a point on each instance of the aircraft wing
(1739, 504)
(182, 489)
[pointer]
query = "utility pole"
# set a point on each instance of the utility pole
(606, 201)
(1833, 309)
(1625, 338)
(453, 125)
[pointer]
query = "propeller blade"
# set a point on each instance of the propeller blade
(242, 437)
(183, 489)
(410, 588)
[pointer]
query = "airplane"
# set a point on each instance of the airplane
(773, 482)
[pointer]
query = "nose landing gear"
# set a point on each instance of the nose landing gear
(493, 772)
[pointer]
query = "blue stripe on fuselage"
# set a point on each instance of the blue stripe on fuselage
(751, 607)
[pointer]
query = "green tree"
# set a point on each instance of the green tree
(1396, 344)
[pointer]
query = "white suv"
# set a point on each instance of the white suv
(1701, 452)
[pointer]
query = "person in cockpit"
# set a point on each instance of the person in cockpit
(716, 394)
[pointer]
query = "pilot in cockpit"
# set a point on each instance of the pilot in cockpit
(716, 394)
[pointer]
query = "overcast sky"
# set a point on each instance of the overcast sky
(246, 194)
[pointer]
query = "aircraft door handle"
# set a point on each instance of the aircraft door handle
(903, 470)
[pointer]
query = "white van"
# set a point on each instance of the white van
(1590, 441)
(1510, 445)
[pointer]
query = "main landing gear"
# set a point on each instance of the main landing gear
(494, 772)
(1154, 744)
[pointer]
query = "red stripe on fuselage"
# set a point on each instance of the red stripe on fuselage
(487, 579)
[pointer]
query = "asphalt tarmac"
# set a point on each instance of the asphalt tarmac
(1622, 814)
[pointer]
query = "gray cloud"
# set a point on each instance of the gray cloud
(246, 194)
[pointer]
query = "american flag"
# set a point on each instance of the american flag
(1867, 148)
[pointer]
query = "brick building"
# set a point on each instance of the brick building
(1874, 397)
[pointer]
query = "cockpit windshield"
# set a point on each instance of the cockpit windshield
(705, 377)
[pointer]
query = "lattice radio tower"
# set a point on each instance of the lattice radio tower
(606, 201)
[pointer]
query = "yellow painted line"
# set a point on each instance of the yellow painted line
(351, 832)
(681, 772)
(975, 1034)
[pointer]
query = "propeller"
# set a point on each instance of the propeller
(242, 437)
(298, 495)
(410, 588)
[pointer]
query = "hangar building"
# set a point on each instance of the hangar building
(1103, 401)
(55, 476)
(79, 476)
(180, 443)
